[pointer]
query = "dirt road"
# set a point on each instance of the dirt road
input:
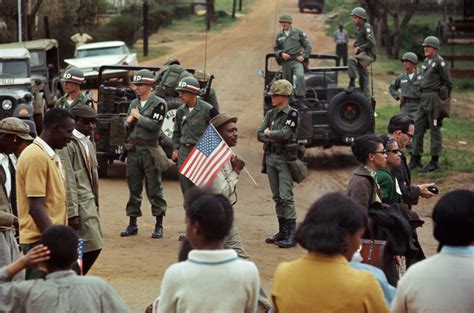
(134, 266)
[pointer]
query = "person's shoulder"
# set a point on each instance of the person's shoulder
(33, 151)
(204, 104)
(383, 173)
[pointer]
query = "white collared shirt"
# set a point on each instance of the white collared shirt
(8, 176)
(82, 139)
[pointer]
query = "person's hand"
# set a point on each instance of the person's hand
(15, 222)
(300, 58)
(402, 98)
(397, 259)
(135, 113)
(266, 132)
(35, 257)
(424, 192)
(175, 155)
(285, 56)
(356, 50)
(74, 222)
(237, 163)
(130, 120)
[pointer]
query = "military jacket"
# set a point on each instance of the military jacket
(211, 99)
(148, 126)
(365, 40)
(295, 44)
(435, 74)
(409, 88)
(6, 214)
(81, 99)
(191, 124)
(283, 125)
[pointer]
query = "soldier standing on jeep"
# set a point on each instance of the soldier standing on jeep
(207, 95)
(169, 76)
(145, 118)
(72, 80)
(364, 53)
(292, 48)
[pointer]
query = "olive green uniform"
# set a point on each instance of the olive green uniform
(143, 141)
(211, 99)
(283, 125)
(295, 44)
(63, 104)
(435, 85)
(407, 90)
(188, 128)
(358, 63)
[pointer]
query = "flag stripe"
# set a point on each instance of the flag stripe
(197, 164)
(216, 169)
(212, 165)
(204, 167)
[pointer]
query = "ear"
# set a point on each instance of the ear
(195, 227)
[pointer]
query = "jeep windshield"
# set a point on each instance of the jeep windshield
(13, 69)
(37, 58)
(100, 51)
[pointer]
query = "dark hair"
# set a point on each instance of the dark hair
(362, 146)
(387, 141)
(399, 122)
(184, 250)
(453, 218)
(62, 242)
(56, 115)
(212, 211)
(329, 220)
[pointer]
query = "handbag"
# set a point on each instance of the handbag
(373, 252)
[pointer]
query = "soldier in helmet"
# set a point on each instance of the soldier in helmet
(435, 92)
(406, 87)
(72, 80)
(169, 76)
(364, 53)
(192, 119)
(278, 129)
(208, 95)
(292, 48)
(145, 118)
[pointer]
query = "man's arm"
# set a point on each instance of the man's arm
(393, 89)
(38, 213)
(307, 47)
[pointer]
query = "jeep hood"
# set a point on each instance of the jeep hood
(90, 63)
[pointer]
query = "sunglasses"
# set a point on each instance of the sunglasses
(381, 152)
(409, 135)
(394, 151)
(87, 121)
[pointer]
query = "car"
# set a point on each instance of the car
(317, 5)
(16, 96)
(330, 113)
(90, 57)
(113, 102)
(44, 65)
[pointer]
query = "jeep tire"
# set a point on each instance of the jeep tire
(351, 113)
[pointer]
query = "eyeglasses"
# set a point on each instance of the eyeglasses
(87, 121)
(409, 135)
(395, 151)
(381, 152)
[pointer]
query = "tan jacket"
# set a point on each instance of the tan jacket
(362, 188)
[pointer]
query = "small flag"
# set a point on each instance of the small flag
(206, 159)
(80, 254)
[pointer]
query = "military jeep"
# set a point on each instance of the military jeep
(44, 66)
(330, 113)
(15, 84)
(113, 103)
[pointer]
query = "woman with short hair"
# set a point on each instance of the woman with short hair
(322, 280)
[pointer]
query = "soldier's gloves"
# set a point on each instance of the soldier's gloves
(74, 222)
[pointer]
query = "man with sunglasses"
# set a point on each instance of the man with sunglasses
(82, 181)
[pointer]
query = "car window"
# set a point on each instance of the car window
(99, 51)
(13, 69)
(36, 58)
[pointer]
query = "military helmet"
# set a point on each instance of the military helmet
(143, 77)
(410, 56)
(359, 12)
(281, 87)
(431, 41)
(172, 60)
(285, 18)
(189, 84)
(73, 75)
(201, 76)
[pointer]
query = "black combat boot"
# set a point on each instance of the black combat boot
(289, 240)
(415, 162)
(432, 166)
(158, 232)
(132, 228)
(281, 232)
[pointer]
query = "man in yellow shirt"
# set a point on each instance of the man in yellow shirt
(40, 181)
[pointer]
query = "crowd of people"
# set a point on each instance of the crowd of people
(49, 200)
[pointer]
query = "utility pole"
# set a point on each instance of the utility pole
(20, 34)
(145, 28)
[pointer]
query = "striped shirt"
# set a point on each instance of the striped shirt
(341, 36)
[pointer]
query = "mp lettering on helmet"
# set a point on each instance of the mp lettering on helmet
(137, 78)
(182, 84)
(68, 75)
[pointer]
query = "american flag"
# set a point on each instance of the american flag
(80, 254)
(206, 159)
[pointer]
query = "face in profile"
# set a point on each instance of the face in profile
(393, 155)
(379, 157)
(63, 133)
(229, 133)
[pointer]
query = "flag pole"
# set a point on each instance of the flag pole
(245, 169)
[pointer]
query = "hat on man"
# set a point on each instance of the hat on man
(32, 127)
(201, 76)
(222, 119)
(83, 111)
(73, 75)
(15, 126)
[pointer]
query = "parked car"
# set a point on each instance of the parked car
(44, 65)
(90, 57)
(330, 113)
(317, 5)
(15, 84)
